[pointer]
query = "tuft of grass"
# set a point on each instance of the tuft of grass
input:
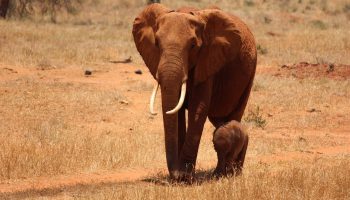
(249, 3)
(255, 116)
(261, 50)
(319, 24)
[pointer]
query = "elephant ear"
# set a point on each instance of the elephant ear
(221, 43)
(144, 35)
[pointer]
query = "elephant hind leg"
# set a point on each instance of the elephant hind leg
(220, 169)
(238, 112)
(241, 157)
(235, 160)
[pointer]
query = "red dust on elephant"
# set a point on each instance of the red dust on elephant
(203, 61)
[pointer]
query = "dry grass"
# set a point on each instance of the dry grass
(296, 97)
(69, 125)
(59, 128)
(301, 181)
(58, 45)
(97, 37)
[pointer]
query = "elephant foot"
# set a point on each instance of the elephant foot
(234, 170)
(183, 179)
(174, 175)
(180, 177)
(187, 178)
(184, 176)
(218, 173)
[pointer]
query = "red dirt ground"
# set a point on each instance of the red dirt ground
(307, 70)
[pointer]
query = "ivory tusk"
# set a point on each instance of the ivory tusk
(153, 97)
(181, 100)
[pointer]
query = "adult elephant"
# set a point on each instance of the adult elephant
(204, 61)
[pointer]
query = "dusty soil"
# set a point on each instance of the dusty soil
(116, 75)
(304, 70)
(56, 183)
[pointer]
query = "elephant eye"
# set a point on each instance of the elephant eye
(193, 43)
(192, 46)
(156, 43)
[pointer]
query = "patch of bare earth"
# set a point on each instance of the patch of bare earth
(56, 183)
(304, 70)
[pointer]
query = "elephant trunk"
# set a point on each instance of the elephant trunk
(169, 101)
(171, 76)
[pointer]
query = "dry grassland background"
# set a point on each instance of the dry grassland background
(56, 122)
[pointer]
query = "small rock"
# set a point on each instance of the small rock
(307, 151)
(88, 72)
(128, 60)
(330, 68)
(267, 20)
(138, 71)
(11, 70)
(124, 102)
(313, 110)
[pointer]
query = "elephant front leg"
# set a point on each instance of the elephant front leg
(181, 129)
(220, 169)
(198, 107)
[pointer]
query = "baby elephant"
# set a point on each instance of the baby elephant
(230, 142)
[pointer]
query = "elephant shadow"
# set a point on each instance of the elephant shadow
(201, 176)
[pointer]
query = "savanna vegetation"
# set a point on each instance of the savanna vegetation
(57, 122)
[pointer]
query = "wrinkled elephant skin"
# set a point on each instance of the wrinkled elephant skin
(210, 53)
(230, 143)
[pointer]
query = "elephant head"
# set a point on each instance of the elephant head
(176, 44)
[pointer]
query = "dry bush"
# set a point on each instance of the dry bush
(29, 8)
